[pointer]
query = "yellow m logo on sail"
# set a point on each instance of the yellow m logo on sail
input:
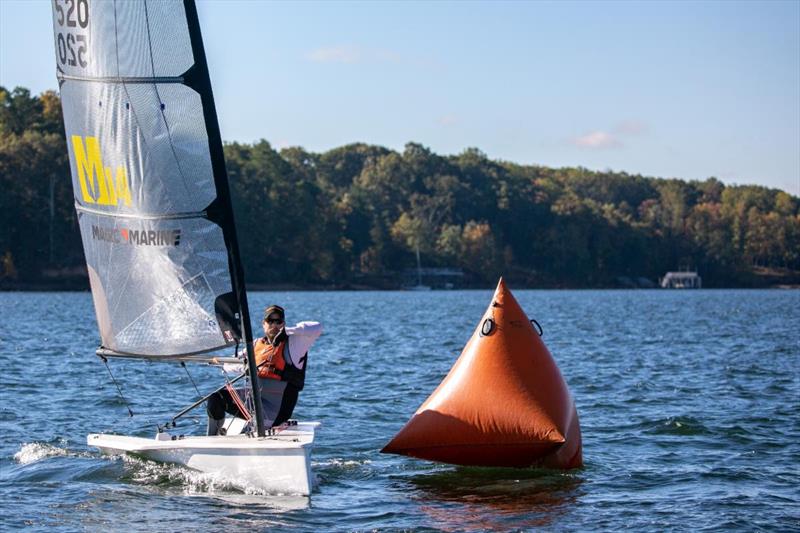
(98, 185)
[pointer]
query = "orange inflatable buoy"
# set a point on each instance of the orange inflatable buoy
(504, 402)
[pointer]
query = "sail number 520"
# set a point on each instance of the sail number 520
(71, 43)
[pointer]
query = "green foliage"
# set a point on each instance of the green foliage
(39, 225)
(361, 211)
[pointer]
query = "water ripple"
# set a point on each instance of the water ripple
(688, 404)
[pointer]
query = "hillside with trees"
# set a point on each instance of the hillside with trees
(355, 215)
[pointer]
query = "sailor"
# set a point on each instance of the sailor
(281, 357)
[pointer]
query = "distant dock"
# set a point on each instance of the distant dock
(681, 280)
(437, 278)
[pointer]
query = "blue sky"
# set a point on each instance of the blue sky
(667, 89)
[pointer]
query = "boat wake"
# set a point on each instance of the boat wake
(31, 452)
(341, 464)
(338, 468)
(144, 472)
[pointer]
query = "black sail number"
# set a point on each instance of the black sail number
(81, 39)
(72, 16)
(60, 11)
(76, 14)
(83, 13)
(62, 48)
(70, 11)
(71, 47)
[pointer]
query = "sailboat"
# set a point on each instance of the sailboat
(419, 286)
(156, 220)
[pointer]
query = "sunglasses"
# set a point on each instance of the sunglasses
(274, 321)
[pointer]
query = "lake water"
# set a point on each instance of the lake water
(689, 404)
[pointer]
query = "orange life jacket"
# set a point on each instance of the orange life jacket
(272, 355)
(277, 365)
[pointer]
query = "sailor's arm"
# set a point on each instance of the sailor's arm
(301, 337)
(236, 367)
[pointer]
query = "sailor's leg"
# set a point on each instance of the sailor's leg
(216, 407)
(287, 405)
(271, 398)
(214, 425)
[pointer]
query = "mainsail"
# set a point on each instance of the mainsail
(149, 178)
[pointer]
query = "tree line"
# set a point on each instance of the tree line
(358, 214)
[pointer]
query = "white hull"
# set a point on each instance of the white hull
(276, 464)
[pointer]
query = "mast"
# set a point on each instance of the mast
(198, 78)
(419, 268)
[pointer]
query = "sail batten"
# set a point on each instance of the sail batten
(118, 79)
(174, 216)
(205, 356)
(149, 178)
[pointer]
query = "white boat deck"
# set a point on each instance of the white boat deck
(292, 437)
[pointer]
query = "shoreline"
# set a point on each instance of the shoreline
(758, 278)
(357, 287)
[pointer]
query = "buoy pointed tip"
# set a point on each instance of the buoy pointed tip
(501, 283)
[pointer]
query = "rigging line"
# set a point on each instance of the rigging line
(119, 390)
(183, 364)
(204, 398)
(163, 109)
(249, 406)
